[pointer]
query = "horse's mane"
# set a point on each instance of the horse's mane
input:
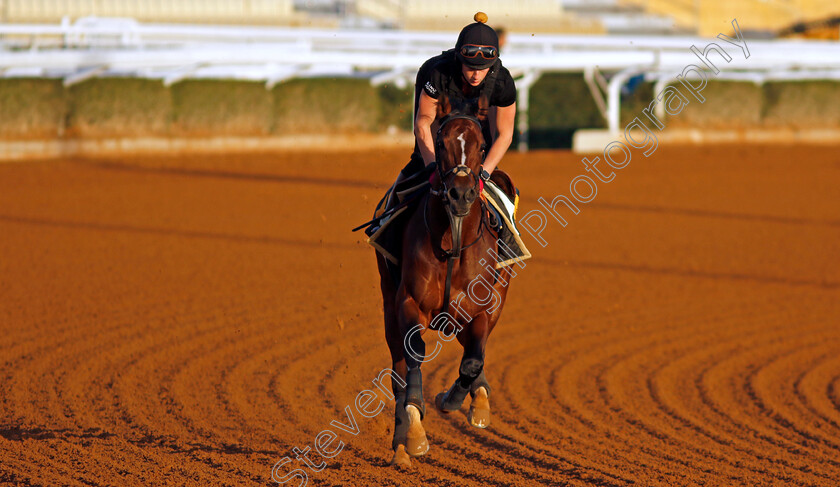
(476, 107)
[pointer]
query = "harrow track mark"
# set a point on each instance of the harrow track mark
(189, 321)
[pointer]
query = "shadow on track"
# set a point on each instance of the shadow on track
(670, 271)
(205, 173)
(173, 232)
(532, 202)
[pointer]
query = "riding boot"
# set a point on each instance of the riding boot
(414, 390)
(386, 203)
(392, 193)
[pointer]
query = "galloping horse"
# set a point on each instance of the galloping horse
(447, 244)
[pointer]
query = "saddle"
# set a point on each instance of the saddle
(502, 200)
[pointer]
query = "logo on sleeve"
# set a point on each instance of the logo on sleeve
(431, 89)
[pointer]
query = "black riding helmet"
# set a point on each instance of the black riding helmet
(478, 44)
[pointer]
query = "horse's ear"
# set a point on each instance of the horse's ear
(483, 105)
(443, 106)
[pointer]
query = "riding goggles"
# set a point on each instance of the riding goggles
(472, 51)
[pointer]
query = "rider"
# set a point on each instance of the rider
(470, 70)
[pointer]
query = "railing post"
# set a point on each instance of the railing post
(614, 98)
(523, 94)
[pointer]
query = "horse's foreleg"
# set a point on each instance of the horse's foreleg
(414, 352)
(401, 421)
(394, 338)
(405, 435)
(402, 424)
(474, 339)
(472, 371)
(471, 377)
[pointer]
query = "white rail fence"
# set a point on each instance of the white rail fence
(94, 47)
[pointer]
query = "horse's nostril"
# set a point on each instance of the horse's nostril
(471, 194)
(453, 194)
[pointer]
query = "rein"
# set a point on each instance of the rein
(449, 253)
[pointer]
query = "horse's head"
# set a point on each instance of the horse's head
(459, 150)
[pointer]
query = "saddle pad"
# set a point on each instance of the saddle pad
(387, 242)
(511, 247)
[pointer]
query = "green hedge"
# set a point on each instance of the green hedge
(32, 108)
(727, 105)
(802, 104)
(318, 105)
(560, 104)
(221, 107)
(119, 107)
(396, 107)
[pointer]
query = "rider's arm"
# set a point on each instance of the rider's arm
(426, 113)
(504, 127)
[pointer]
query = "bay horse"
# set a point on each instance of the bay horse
(447, 245)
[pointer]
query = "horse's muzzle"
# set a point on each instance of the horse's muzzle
(460, 200)
(458, 204)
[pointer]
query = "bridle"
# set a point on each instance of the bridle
(451, 254)
(459, 170)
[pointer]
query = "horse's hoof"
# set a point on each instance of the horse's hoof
(401, 458)
(479, 415)
(416, 444)
(417, 447)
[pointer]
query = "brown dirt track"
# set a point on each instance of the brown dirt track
(188, 321)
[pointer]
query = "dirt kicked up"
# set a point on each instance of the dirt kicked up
(190, 321)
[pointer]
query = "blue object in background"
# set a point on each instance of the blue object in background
(632, 84)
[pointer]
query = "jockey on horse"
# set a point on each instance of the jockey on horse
(418, 233)
(471, 70)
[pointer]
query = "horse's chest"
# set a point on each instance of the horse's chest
(471, 289)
